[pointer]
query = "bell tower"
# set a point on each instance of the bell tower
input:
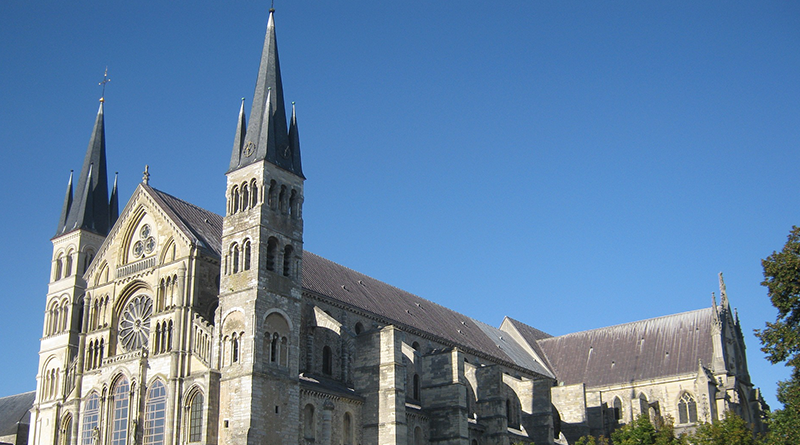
(86, 217)
(260, 285)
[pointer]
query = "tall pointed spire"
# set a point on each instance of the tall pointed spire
(294, 143)
(267, 136)
(90, 206)
(62, 221)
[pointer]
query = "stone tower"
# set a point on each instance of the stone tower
(86, 217)
(260, 287)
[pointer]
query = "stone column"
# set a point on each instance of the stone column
(327, 414)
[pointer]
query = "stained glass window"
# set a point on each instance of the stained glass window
(196, 418)
(687, 409)
(134, 323)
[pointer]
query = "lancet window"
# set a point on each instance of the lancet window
(91, 420)
(155, 414)
(687, 409)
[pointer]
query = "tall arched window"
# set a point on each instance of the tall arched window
(196, 417)
(155, 414)
(687, 409)
(415, 393)
(282, 199)
(272, 195)
(272, 250)
(417, 436)
(234, 348)
(293, 203)
(309, 424)
(327, 366)
(235, 200)
(246, 254)
(274, 348)
(253, 193)
(65, 432)
(288, 251)
(617, 409)
(120, 401)
(68, 264)
(347, 429)
(91, 419)
(235, 257)
(245, 196)
(59, 268)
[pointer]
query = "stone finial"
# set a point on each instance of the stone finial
(146, 175)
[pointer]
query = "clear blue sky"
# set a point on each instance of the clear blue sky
(571, 164)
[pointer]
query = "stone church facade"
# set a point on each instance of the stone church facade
(169, 324)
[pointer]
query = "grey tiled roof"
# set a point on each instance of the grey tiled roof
(669, 345)
(354, 289)
(201, 226)
(13, 410)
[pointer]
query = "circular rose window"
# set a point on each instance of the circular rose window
(134, 323)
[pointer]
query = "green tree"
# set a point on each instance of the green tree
(781, 339)
(591, 440)
(642, 432)
(731, 430)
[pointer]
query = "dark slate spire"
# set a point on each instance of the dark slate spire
(294, 142)
(238, 140)
(267, 136)
(62, 221)
(90, 209)
(113, 204)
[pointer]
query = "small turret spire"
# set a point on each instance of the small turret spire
(238, 140)
(723, 294)
(62, 220)
(113, 204)
(146, 175)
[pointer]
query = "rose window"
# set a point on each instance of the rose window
(134, 323)
(146, 243)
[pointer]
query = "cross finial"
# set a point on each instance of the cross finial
(272, 6)
(103, 84)
(146, 175)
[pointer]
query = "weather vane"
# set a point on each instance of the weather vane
(103, 84)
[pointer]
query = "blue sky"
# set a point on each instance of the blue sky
(571, 164)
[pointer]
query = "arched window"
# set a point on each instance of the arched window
(234, 348)
(155, 414)
(347, 429)
(512, 413)
(64, 316)
(272, 195)
(195, 417)
(327, 365)
(416, 387)
(293, 203)
(359, 328)
(65, 432)
(274, 348)
(59, 268)
(235, 200)
(282, 199)
(235, 257)
(68, 264)
(89, 355)
(246, 255)
(91, 419)
(417, 436)
(89, 256)
(287, 260)
(687, 409)
(254, 193)
(284, 352)
(617, 409)
(245, 196)
(272, 250)
(119, 414)
(309, 425)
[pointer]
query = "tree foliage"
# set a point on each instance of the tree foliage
(642, 432)
(781, 340)
(731, 430)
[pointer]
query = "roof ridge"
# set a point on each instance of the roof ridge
(620, 325)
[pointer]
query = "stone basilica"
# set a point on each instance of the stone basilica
(168, 324)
